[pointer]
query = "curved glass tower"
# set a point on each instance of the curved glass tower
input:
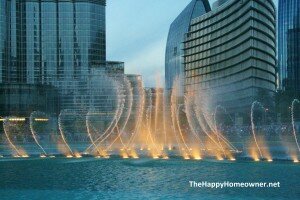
(289, 44)
(230, 56)
(174, 49)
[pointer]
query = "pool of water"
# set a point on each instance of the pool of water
(115, 178)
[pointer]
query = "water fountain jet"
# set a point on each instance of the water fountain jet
(32, 118)
(263, 153)
(70, 153)
(18, 152)
(293, 122)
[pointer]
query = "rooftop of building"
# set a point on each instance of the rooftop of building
(223, 5)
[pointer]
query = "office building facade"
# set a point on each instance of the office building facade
(47, 41)
(52, 43)
(230, 55)
(289, 45)
(114, 68)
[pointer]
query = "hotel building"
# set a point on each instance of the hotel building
(230, 55)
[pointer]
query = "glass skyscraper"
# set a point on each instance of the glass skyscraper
(47, 41)
(2, 36)
(289, 44)
(174, 49)
(56, 43)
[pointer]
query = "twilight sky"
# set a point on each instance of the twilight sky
(137, 33)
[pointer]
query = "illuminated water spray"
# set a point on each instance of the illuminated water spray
(293, 122)
(33, 118)
(89, 131)
(256, 103)
(18, 151)
(129, 91)
(112, 126)
(222, 138)
(263, 153)
(139, 119)
(184, 150)
(108, 130)
(153, 149)
(195, 129)
(61, 131)
(190, 117)
(203, 123)
(115, 121)
(196, 152)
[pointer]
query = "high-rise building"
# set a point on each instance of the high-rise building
(114, 68)
(47, 41)
(289, 44)
(230, 55)
(174, 50)
(218, 3)
(2, 35)
(51, 43)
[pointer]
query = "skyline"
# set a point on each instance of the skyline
(78, 121)
(138, 38)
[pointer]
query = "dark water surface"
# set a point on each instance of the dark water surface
(114, 178)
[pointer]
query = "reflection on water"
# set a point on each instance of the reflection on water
(90, 178)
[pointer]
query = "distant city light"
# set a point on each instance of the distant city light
(41, 119)
(14, 119)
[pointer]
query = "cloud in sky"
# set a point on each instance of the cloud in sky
(137, 32)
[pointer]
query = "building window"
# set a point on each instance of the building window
(175, 51)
